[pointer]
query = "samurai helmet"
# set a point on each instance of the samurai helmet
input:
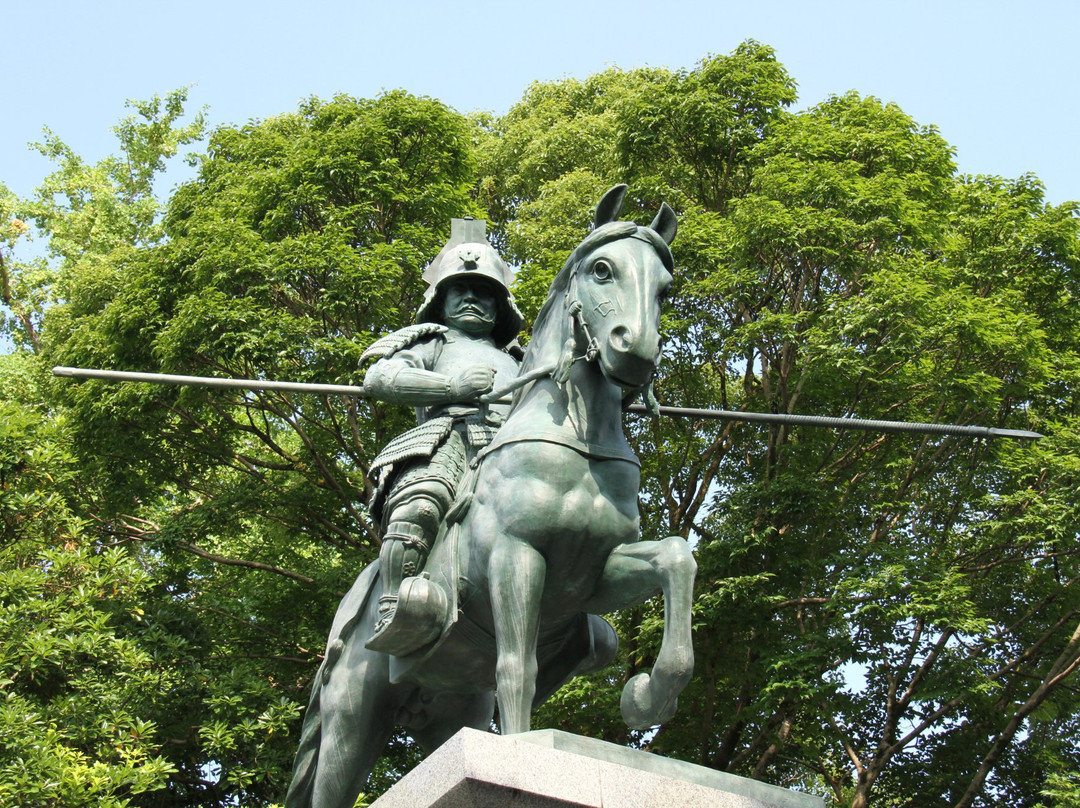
(467, 255)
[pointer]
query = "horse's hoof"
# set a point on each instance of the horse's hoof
(638, 709)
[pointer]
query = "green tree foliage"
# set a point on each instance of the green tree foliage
(79, 666)
(882, 619)
(86, 211)
(298, 244)
(17, 293)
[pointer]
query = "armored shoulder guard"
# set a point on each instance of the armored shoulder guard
(396, 341)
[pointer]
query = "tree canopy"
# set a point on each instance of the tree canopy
(879, 619)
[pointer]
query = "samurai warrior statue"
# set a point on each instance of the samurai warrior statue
(461, 348)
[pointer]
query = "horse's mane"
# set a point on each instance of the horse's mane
(552, 325)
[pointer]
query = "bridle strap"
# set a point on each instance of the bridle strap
(577, 319)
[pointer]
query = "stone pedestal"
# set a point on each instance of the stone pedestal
(552, 769)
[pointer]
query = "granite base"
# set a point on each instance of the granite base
(552, 769)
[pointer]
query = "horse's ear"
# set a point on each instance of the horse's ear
(665, 224)
(610, 205)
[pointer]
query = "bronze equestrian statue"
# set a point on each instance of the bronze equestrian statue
(541, 537)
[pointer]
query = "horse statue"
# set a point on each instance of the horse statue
(542, 539)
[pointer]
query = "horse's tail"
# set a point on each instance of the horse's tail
(306, 763)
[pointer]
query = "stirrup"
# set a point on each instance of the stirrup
(416, 619)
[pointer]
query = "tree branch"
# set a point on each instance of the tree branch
(236, 562)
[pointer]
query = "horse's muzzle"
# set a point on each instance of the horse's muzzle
(629, 361)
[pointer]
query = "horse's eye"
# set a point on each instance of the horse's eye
(601, 270)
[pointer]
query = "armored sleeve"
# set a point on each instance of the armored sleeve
(405, 378)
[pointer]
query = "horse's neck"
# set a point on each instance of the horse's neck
(588, 403)
(584, 414)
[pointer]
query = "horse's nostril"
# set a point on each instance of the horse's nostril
(621, 339)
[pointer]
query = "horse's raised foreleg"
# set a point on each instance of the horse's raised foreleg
(634, 573)
(516, 573)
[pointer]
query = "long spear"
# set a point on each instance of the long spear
(676, 412)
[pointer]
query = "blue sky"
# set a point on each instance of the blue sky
(997, 78)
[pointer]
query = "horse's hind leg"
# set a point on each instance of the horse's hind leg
(447, 713)
(351, 714)
(633, 573)
(358, 710)
(591, 646)
(516, 573)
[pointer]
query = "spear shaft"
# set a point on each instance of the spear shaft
(844, 423)
(675, 412)
(207, 381)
